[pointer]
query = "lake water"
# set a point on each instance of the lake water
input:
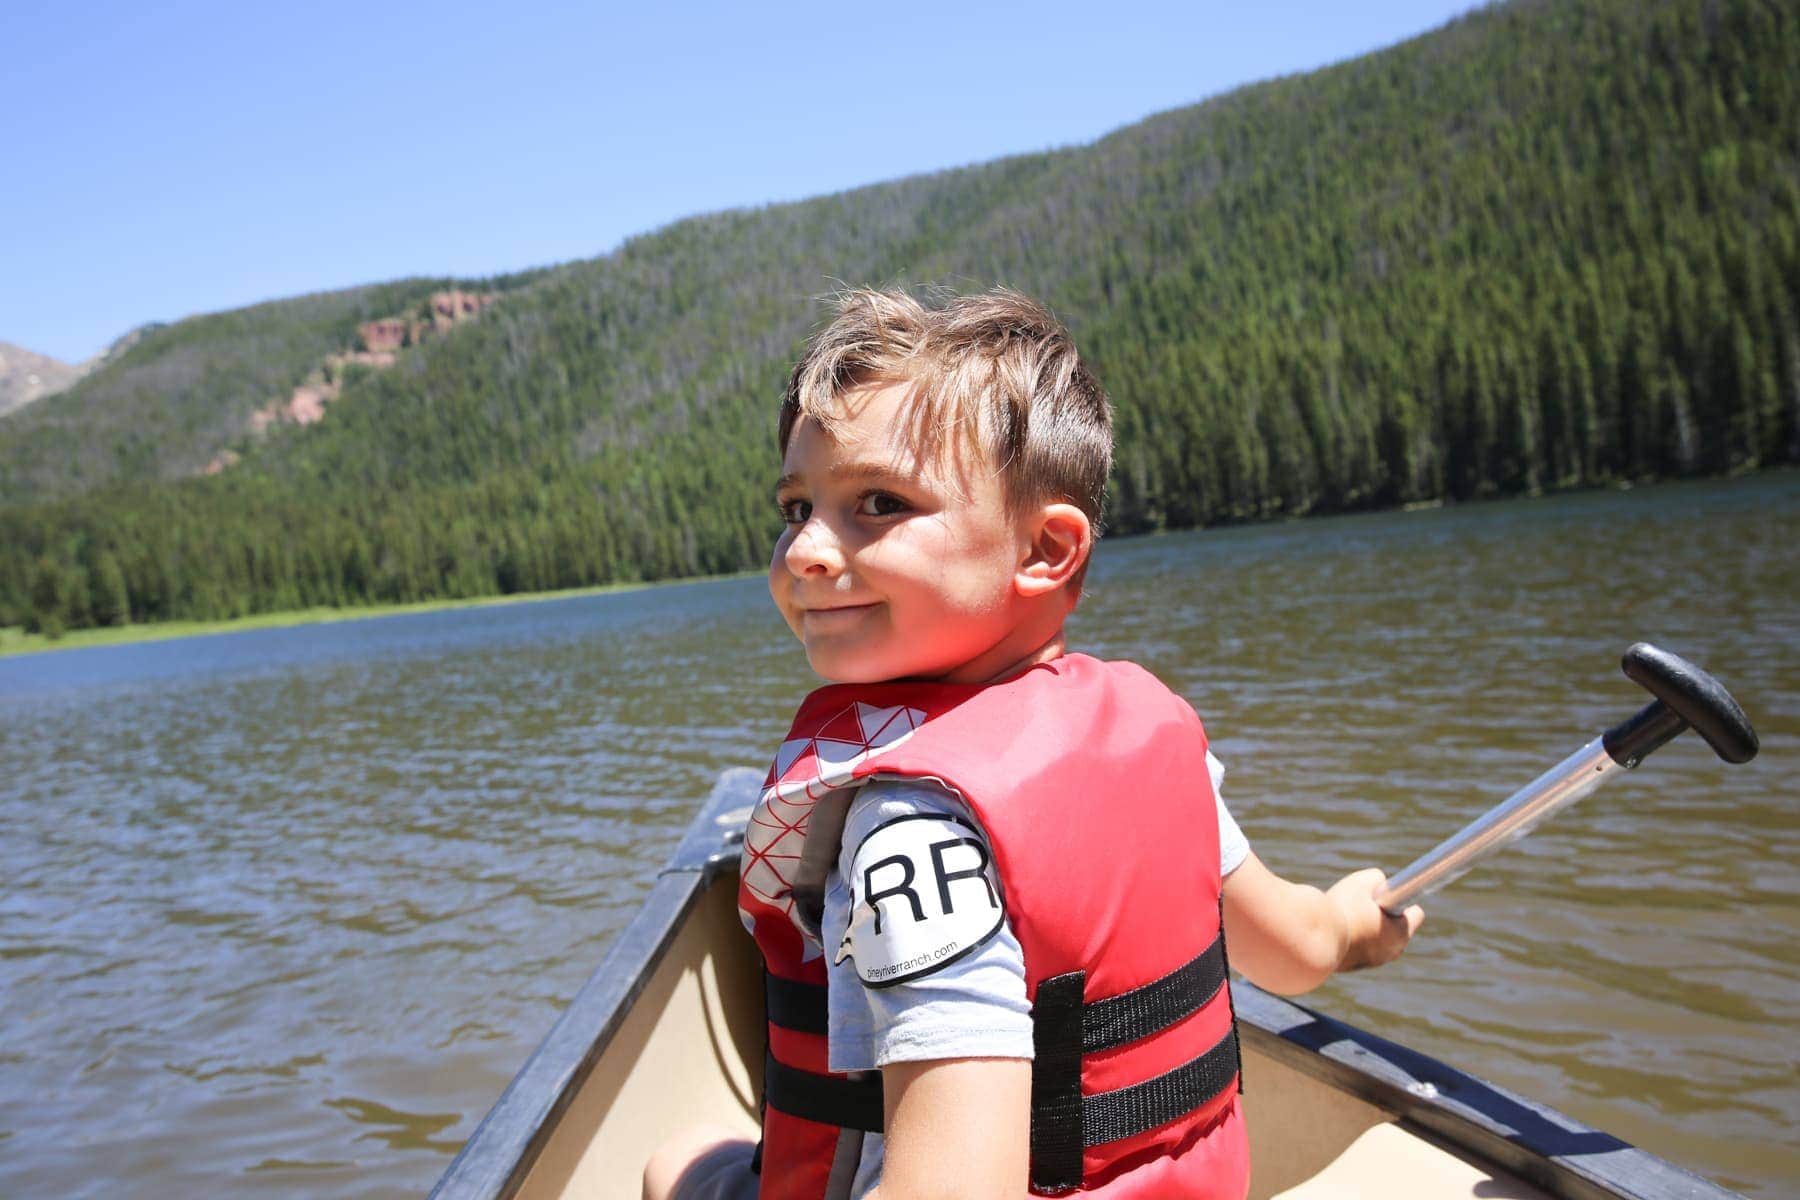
(285, 909)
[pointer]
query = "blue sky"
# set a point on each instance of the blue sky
(175, 158)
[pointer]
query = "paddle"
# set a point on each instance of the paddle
(1686, 697)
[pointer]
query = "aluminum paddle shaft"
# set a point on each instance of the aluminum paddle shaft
(1686, 697)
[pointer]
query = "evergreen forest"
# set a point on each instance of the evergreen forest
(1553, 244)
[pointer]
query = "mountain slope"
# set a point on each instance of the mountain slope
(1553, 243)
(164, 401)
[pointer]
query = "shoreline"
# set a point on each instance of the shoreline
(15, 642)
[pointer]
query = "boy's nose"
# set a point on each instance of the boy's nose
(815, 550)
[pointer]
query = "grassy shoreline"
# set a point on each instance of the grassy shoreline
(15, 641)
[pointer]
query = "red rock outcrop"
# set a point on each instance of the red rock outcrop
(447, 310)
(452, 307)
(389, 333)
(306, 405)
(382, 341)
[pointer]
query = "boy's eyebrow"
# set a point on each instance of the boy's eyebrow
(851, 470)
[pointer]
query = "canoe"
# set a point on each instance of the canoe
(668, 1032)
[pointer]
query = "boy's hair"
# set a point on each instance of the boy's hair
(995, 370)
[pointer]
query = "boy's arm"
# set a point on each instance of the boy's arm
(1289, 937)
(953, 1042)
(956, 1128)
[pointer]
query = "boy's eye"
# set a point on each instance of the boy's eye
(880, 504)
(795, 512)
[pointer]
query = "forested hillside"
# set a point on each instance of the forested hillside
(1554, 243)
(161, 406)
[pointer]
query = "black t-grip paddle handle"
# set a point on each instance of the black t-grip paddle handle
(1685, 696)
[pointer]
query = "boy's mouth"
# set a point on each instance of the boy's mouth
(841, 614)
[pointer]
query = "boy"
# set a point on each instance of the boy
(989, 878)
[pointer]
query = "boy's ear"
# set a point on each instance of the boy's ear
(1061, 539)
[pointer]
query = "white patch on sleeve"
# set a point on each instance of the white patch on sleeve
(923, 893)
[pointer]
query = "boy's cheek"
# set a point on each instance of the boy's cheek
(777, 557)
(778, 573)
(788, 615)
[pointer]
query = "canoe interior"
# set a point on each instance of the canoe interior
(691, 1051)
(667, 1034)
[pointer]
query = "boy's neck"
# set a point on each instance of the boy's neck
(1011, 657)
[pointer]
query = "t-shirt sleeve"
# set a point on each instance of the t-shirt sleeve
(922, 961)
(1234, 847)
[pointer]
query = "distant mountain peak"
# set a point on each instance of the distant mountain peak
(26, 375)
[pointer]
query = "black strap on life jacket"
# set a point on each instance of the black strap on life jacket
(793, 1005)
(1064, 1028)
(847, 1101)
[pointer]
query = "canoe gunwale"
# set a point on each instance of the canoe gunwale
(1446, 1106)
(495, 1161)
(1451, 1107)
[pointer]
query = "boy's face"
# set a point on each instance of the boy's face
(891, 567)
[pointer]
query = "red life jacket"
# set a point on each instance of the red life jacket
(1090, 780)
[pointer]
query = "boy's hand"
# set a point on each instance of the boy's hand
(1372, 936)
(1291, 937)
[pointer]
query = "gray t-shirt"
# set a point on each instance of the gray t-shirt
(974, 1006)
